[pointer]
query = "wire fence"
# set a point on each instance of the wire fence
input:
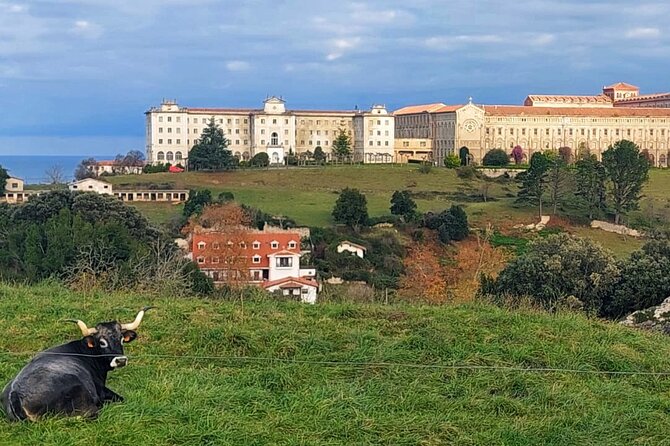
(355, 364)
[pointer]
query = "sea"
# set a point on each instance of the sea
(32, 169)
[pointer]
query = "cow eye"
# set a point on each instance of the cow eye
(103, 343)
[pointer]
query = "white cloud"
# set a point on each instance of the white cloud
(543, 39)
(447, 42)
(341, 46)
(86, 28)
(643, 33)
(237, 65)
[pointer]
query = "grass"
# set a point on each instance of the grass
(228, 401)
(622, 246)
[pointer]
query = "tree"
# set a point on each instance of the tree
(451, 224)
(197, 200)
(85, 169)
(517, 154)
(351, 208)
(565, 154)
(554, 269)
(496, 158)
(452, 161)
(4, 176)
(211, 151)
(342, 144)
(133, 158)
(557, 180)
(55, 174)
(590, 177)
(627, 170)
(319, 156)
(403, 205)
(260, 160)
(534, 181)
(644, 280)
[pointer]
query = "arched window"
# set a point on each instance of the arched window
(178, 156)
(169, 156)
(160, 156)
(662, 160)
(245, 156)
(274, 139)
(237, 155)
(275, 157)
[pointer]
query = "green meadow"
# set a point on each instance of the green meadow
(212, 372)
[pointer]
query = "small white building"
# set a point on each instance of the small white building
(351, 247)
(299, 287)
(92, 185)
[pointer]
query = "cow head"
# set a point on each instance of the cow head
(107, 338)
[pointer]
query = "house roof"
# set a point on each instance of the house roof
(290, 282)
(86, 180)
(114, 163)
(622, 86)
(645, 97)
(355, 245)
(613, 112)
(448, 109)
(414, 109)
(570, 99)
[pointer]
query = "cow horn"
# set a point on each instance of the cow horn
(82, 326)
(138, 319)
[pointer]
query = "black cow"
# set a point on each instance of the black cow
(71, 379)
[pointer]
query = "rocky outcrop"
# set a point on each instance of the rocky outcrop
(655, 318)
(617, 229)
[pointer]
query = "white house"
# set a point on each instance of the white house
(299, 287)
(92, 185)
(353, 248)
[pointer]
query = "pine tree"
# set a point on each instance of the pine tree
(342, 144)
(534, 181)
(591, 177)
(627, 170)
(211, 151)
(351, 208)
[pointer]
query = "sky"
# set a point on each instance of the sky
(76, 76)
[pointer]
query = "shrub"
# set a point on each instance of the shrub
(452, 161)
(425, 167)
(467, 172)
(496, 157)
(260, 160)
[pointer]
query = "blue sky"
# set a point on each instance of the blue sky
(77, 75)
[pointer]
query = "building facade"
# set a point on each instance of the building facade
(171, 130)
(583, 123)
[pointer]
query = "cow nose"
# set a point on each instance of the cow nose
(119, 361)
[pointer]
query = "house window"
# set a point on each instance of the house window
(256, 259)
(274, 244)
(256, 245)
(292, 244)
(201, 245)
(216, 245)
(243, 245)
(201, 260)
(215, 260)
(284, 262)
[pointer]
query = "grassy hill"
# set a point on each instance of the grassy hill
(294, 397)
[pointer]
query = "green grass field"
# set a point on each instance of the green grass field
(286, 396)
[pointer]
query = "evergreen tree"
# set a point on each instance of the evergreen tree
(3, 180)
(342, 144)
(197, 200)
(60, 243)
(403, 205)
(627, 170)
(319, 156)
(496, 158)
(591, 177)
(211, 151)
(34, 253)
(351, 208)
(558, 178)
(534, 181)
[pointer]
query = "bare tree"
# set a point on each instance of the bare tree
(55, 174)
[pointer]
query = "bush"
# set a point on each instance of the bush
(556, 268)
(496, 158)
(260, 160)
(467, 172)
(452, 161)
(450, 225)
(425, 167)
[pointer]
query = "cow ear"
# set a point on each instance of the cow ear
(89, 341)
(128, 336)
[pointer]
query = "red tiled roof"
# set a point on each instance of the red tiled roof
(645, 97)
(448, 109)
(414, 109)
(622, 86)
(222, 110)
(614, 112)
(249, 238)
(288, 281)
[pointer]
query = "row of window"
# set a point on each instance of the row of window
(255, 245)
(583, 132)
(204, 120)
(379, 143)
(169, 156)
(280, 262)
(421, 143)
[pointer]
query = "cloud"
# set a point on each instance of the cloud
(86, 28)
(447, 42)
(341, 46)
(237, 65)
(643, 33)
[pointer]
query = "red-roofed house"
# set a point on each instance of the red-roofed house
(270, 257)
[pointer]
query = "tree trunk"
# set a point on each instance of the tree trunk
(617, 218)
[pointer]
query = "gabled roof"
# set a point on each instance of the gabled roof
(355, 245)
(414, 109)
(287, 282)
(85, 180)
(621, 86)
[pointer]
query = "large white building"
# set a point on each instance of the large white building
(171, 131)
